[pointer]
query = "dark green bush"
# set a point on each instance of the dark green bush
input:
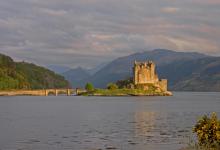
(89, 87)
(112, 86)
(128, 83)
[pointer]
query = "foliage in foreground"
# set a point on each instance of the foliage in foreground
(196, 146)
(208, 131)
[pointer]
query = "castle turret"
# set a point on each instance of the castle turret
(145, 73)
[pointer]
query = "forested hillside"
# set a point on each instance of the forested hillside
(22, 75)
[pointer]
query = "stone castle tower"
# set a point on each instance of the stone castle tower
(145, 73)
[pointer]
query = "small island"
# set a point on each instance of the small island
(145, 82)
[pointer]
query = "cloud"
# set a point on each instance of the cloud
(52, 12)
(210, 2)
(170, 10)
(88, 32)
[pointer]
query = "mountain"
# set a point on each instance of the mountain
(194, 75)
(185, 71)
(22, 75)
(77, 77)
(121, 68)
(96, 69)
(58, 69)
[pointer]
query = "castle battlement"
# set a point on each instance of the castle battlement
(145, 73)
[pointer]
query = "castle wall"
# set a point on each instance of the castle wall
(135, 70)
(145, 76)
(145, 73)
(163, 84)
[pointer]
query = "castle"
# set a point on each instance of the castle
(145, 74)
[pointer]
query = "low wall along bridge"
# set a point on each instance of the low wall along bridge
(44, 92)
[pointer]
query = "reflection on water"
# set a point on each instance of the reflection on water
(157, 128)
(144, 123)
(92, 123)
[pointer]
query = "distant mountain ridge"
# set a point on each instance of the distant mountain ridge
(58, 68)
(194, 75)
(22, 75)
(77, 77)
(186, 71)
(122, 67)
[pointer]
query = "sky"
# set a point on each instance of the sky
(89, 32)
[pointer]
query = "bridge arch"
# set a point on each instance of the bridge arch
(57, 92)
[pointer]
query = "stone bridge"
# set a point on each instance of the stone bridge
(44, 92)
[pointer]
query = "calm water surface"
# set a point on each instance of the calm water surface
(99, 123)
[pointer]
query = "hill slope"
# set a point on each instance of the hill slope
(122, 67)
(22, 75)
(77, 77)
(185, 71)
(195, 75)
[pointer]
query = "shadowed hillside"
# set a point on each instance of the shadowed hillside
(195, 75)
(122, 67)
(77, 77)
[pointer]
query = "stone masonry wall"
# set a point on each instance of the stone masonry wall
(145, 73)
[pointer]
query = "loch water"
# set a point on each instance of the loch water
(99, 123)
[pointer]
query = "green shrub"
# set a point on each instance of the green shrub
(208, 131)
(127, 83)
(112, 86)
(89, 87)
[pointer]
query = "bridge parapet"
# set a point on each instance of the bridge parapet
(44, 92)
(56, 92)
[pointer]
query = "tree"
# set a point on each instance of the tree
(112, 86)
(89, 87)
(128, 83)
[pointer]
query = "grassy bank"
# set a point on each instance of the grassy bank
(124, 92)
